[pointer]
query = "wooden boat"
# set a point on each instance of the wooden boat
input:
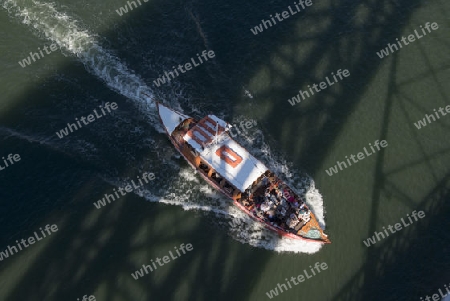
(231, 169)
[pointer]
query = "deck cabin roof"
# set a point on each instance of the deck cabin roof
(223, 154)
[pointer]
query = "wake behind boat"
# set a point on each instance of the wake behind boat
(231, 169)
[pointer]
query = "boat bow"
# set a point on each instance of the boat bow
(170, 118)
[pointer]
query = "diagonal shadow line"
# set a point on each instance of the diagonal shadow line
(368, 274)
(415, 162)
(311, 67)
(379, 181)
(442, 11)
(391, 188)
(318, 142)
(399, 248)
(424, 110)
(433, 72)
(422, 75)
(427, 157)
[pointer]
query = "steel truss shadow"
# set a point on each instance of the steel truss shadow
(104, 260)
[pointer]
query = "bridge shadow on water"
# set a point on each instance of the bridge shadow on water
(405, 266)
(97, 250)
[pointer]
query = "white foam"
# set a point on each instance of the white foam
(240, 226)
(187, 192)
(71, 38)
(302, 184)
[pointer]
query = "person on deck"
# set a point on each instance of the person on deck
(265, 181)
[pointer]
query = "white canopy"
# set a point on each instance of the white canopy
(248, 170)
(226, 156)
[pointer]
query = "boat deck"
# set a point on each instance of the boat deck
(270, 200)
(275, 203)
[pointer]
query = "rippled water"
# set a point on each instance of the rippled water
(103, 57)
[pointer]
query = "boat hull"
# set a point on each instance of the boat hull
(279, 231)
